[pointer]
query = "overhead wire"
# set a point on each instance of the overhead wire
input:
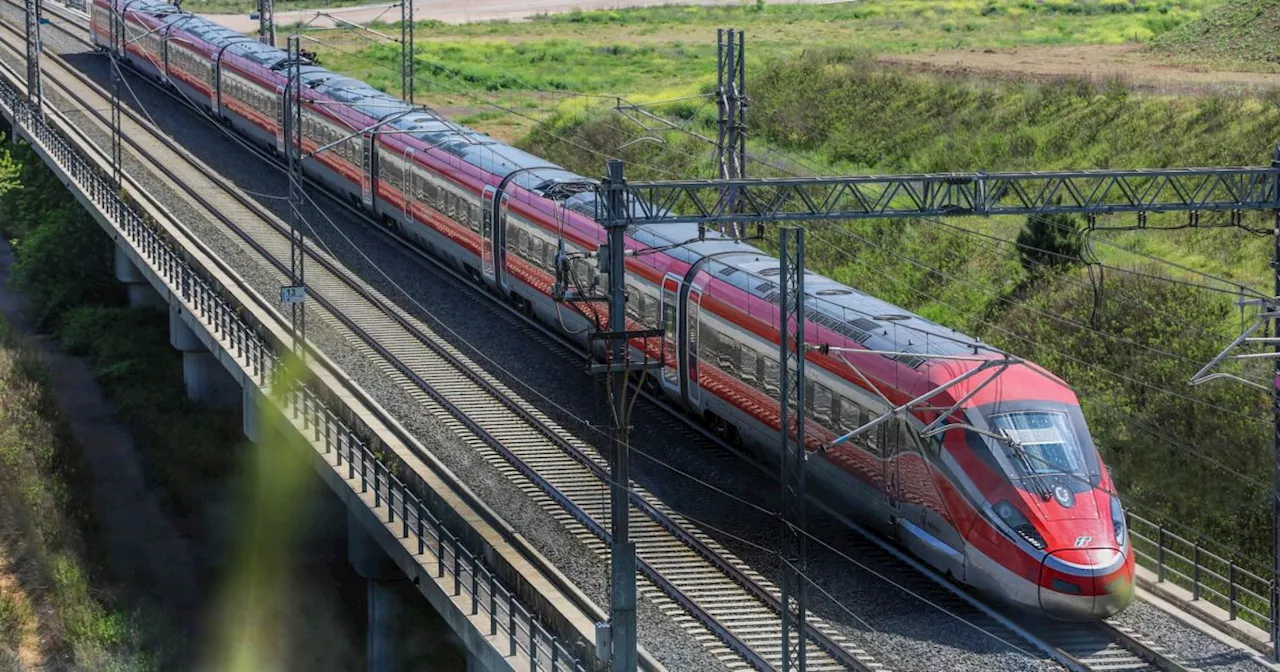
(973, 315)
(659, 462)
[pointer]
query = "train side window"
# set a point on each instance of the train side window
(552, 248)
(537, 251)
(770, 377)
(650, 311)
(749, 363)
(821, 404)
(850, 415)
(633, 303)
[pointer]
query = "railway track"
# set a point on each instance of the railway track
(734, 609)
(664, 539)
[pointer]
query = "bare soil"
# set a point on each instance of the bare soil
(1129, 64)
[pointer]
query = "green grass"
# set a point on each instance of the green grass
(247, 6)
(1240, 32)
(534, 66)
(53, 606)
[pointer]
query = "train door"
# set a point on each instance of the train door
(670, 317)
(280, 105)
(486, 232)
(366, 169)
(693, 317)
(214, 88)
(407, 185)
(892, 446)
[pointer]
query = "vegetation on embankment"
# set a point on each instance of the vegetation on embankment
(56, 610)
(669, 51)
(211, 486)
(64, 267)
(1239, 33)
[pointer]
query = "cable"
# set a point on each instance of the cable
(1189, 449)
(314, 233)
(1022, 305)
(985, 238)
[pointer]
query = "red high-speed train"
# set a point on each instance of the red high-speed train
(1011, 498)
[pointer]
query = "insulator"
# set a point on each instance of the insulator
(1193, 218)
(1092, 220)
(1142, 219)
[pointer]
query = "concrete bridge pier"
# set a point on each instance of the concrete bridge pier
(404, 633)
(384, 641)
(207, 381)
(141, 293)
(251, 401)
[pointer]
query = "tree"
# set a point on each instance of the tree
(1051, 242)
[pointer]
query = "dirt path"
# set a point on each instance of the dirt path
(144, 550)
(1133, 66)
(458, 12)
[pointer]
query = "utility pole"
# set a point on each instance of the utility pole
(35, 88)
(295, 293)
(117, 50)
(791, 351)
(1274, 308)
(267, 22)
(406, 50)
(731, 125)
(622, 563)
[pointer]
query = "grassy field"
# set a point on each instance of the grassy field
(248, 6)
(666, 52)
(1239, 34)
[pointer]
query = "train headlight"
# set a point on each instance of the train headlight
(1023, 527)
(1117, 522)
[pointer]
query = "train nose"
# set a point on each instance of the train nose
(1085, 583)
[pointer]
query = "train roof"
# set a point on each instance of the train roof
(261, 54)
(874, 323)
(871, 322)
(212, 33)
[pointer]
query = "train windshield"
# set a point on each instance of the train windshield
(1045, 443)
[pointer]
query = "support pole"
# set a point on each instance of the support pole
(267, 22)
(791, 351)
(1275, 411)
(731, 125)
(622, 550)
(406, 50)
(35, 88)
(117, 76)
(295, 293)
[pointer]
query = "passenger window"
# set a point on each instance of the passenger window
(749, 363)
(551, 255)
(650, 312)
(821, 405)
(536, 252)
(771, 377)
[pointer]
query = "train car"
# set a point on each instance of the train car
(995, 482)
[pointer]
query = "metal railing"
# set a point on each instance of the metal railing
(1227, 582)
(455, 567)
